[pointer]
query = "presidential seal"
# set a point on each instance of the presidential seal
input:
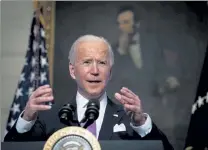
(72, 138)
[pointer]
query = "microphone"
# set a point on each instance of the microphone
(66, 114)
(92, 113)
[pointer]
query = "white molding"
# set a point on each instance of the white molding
(16, 17)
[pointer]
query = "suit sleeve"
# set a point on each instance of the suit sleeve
(157, 134)
(36, 133)
(144, 129)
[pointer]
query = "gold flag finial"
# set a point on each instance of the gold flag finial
(35, 4)
(37, 7)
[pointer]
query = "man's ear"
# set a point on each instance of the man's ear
(71, 71)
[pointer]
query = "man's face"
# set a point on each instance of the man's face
(92, 68)
(126, 21)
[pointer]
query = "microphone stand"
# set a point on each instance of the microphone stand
(89, 121)
(91, 113)
(67, 115)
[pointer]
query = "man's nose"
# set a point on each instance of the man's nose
(95, 70)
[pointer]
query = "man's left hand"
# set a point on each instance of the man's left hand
(132, 104)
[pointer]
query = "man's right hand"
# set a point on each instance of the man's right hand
(123, 43)
(37, 101)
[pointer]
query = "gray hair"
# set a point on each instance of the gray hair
(72, 51)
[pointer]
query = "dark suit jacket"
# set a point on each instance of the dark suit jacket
(48, 122)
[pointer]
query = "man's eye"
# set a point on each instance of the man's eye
(102, 62)
(86, 62)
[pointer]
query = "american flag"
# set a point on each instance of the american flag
(35, 71)
(197, 135)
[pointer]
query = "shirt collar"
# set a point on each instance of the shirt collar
(82, 101)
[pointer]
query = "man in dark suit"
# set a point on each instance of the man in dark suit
(91, 60)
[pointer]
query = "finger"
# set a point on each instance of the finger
(128, 100)
(47, 94)
(41, 107)
(40, 92)
(127, 94)
(43, 99)
(132, 108)
(44, 86)
(118, 97)
(129, 91)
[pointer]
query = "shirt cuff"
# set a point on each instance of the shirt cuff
(22, 125)
(144, 129)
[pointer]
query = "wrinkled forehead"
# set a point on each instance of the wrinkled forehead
(92, 47)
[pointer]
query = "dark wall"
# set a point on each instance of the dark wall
(172, 43)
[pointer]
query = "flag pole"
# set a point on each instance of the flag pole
(37, 8)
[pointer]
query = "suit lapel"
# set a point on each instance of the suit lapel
(109, 120)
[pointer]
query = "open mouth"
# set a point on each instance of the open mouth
(94, 81)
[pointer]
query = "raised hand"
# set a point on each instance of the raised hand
(132, 104)
(36, 102)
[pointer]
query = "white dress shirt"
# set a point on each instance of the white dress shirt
(23, 126)
(81, 108)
